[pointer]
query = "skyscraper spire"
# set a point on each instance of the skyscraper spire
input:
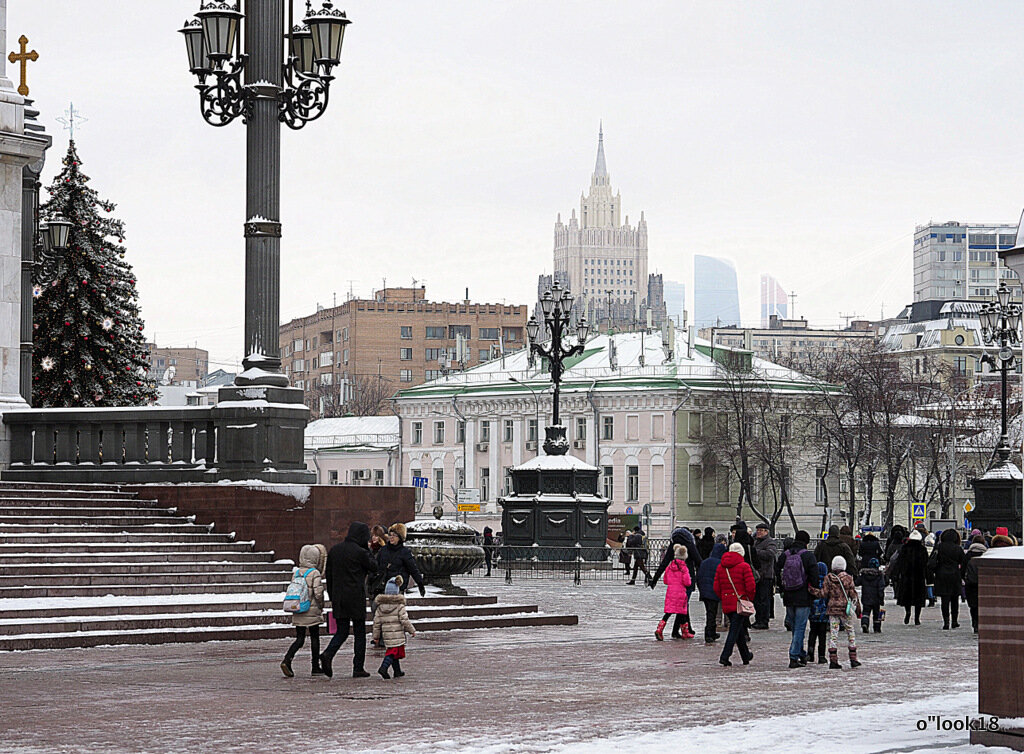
(600, 169)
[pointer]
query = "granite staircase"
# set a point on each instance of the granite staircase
(88, 566)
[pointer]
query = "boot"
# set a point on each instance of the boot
(383, 669)
(821, 658)
(397, 667)
(878, 628)
(631, 582)
(853, 658)
(316, 666)
(660, 631)
(794, 664)
(286, 667)
(833, 660)
(864, 624)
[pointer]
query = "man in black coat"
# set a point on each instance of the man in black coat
(795, 595)
(766, 550)
(680, 536)
(831, 546)
(348, 565)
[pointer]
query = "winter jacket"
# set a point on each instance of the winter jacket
(706, 573)
(870, 547)
(706, 545)
(312, 557)
(819, 605)
(897, 536)
(949, 560)
(846, 535)
(677, 578)
(742, 581)
(797, 597)
(396, 560)
(680, 536)
(766, 551)
(838, 588)
(872, 587)
(391, 622)
(970, 568)
(907, 574)
(831, 546)
(348, 564)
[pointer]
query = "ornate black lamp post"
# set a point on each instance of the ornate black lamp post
(556, 306)
(997, 492)
(287, 77)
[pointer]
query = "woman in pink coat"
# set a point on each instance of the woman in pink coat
(677, 579)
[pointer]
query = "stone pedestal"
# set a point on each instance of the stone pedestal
(259, 434)
(997, 499)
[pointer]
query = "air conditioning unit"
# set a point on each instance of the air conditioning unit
(482, 446)
(531, 444)
(579, 444)
(362, 474)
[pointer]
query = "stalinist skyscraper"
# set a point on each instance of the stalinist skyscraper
(604, 260)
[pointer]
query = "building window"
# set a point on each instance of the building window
(509, 430)
(327, 358)
(344, 356)
(405, 354)
(436, 354)
(466, 331)
(460, 431)
(488, 333)
(632, 483)
(417, 433)
(531, 430)
(819, 485)
(438, 432)
(405, 375)
(438, 485)
(485, 431)
(512, 334)
(485, 483)
(960, 364)
(507, 483)
(433, 374)
(298, 365)
(297, 344)
(784, 426)
(332, 476)
(378, 477)
(437, 333)
(607, 427)
(695, 486)
(581, 429)
(607, 481)
(405, 332)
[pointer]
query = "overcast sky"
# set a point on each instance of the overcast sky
(801, 139)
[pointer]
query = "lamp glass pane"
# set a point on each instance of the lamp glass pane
(547, 303)
(1003, 294)
(302, 49)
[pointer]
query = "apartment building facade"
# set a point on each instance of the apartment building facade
(178, 366)
(791, 339)
(364, 350)
(954, 260)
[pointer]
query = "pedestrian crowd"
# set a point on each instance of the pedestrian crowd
(826, 592)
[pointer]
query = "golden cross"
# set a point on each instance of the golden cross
(23, 58)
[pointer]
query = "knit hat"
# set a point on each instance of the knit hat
(975, 532)
(398, 529)
(873, 563)
(736, 547)
(916, 536)
(803, 536)
(679, 551)
(838, 563)
(1002, 530)
(394, 586)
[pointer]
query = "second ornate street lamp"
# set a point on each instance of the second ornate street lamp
(287, 77)
(556, 307)
(1000, 325)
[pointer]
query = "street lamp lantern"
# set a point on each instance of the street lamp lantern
(195, 45)
(220, 21)
(1003, 294)
(58, 230)
(302, 50)
(327, 27)
(547, 303)
(532, 329)
(582, 328)
(1000, 323)
(44, 236)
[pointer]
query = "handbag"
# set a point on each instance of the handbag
(743, 607)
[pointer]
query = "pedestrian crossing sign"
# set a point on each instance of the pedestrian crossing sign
(918, 510)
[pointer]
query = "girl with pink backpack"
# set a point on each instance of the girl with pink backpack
(677, 579)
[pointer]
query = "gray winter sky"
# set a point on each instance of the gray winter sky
(805, 139)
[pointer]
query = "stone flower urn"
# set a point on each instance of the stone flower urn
(443, 549)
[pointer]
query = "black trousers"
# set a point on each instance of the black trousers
(358, 627)
(640, 564)
(972, 603)
(710, 619)
(300, 639)
(487, 559)
(950, 604)
(817, 633)
(763, 596)
(735, 637)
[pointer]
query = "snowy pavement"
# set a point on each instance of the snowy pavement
(605, 685)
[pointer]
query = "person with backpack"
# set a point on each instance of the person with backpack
(390, 625)
(706, 585)
(348, 565)
(833, 545)
(817, 633)
(970, 576)
(677, 579)
(843, 604)
(734, 581)
(638, 552)
(304, 602)
(947, 561)
(872, 595)
(797, 570)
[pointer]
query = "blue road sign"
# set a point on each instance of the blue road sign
(967, 524)
(629, 510)
(420, 481)
(918, 510)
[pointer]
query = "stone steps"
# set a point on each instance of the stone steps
(26, 571)
(132, 591)
(23, 520)
(45, 548)
(156, 578)
(58, 512)
(160, 529)
(112, 537)
(145, 555)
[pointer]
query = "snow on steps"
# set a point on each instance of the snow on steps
(85, 566)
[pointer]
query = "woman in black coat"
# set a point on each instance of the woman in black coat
(897, 536)
(948, 561)
(395, 559)
(909, 576)
(870, 548)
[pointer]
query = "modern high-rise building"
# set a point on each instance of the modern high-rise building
(603, 259)
(960, 261)
(675, 301)
(773, 300)
(716, 298)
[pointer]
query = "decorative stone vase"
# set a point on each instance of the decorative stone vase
(443, 549)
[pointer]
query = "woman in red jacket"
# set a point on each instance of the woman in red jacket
(734, 580)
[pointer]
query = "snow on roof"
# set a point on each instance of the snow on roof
(352, 430)
(556, 463)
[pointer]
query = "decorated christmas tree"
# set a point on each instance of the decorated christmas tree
(89, 346)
